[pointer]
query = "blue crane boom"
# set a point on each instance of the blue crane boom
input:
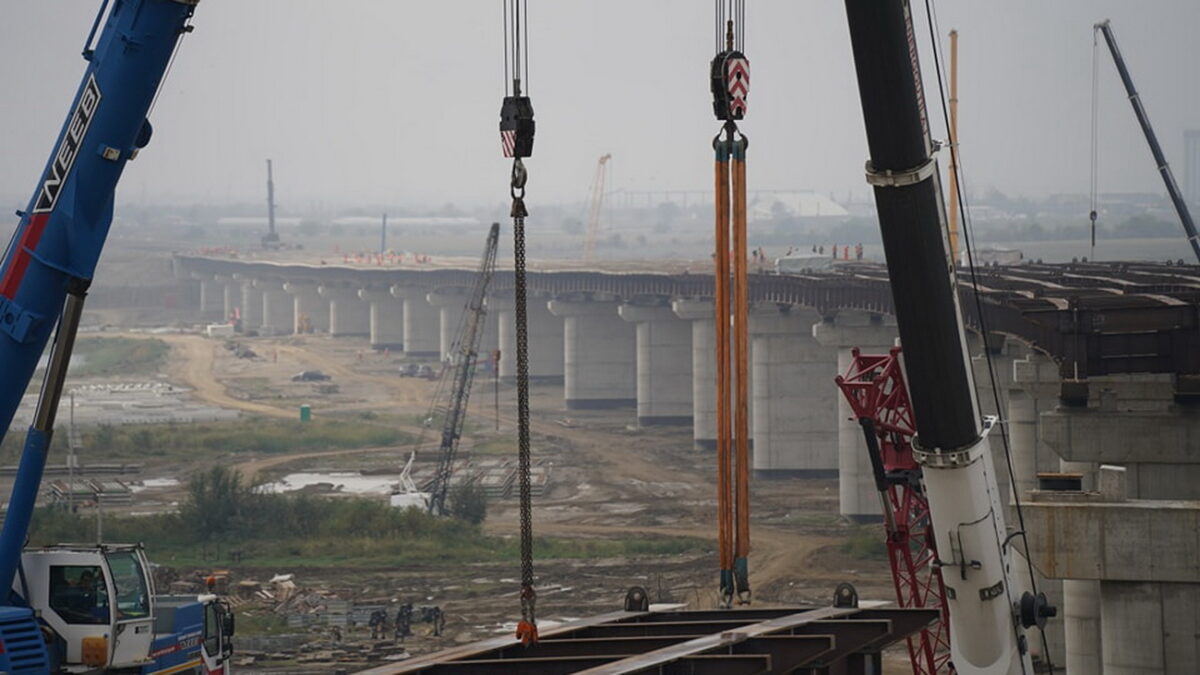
(62, 232)
(44, 278)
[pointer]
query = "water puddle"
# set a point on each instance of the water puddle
(347, 482)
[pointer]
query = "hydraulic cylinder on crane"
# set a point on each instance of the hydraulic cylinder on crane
(987, 626)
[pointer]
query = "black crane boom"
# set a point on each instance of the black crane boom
(465, 354)
(1160, 160)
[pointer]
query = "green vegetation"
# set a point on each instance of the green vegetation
(866, 543)
(189, 441)
(115, 357)
(221, 514)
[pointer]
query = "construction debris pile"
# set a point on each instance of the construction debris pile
(320, 625)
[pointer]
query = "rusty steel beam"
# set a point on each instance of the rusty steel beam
(478, 649)
(714, 641)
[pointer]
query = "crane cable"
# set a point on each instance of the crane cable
(968, 232)
(730, 82)
(516, 137)
(1095, 177)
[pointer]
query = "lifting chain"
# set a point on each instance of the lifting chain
(527, 628)
(516, 136)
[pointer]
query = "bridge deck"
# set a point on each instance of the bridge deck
(1092, 318)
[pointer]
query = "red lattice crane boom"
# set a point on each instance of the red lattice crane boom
(875, 387)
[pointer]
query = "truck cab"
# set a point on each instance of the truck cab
(97, 606)
(97, 600)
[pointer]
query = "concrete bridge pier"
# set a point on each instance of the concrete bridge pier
(704, 371)
(212, 298)
(599, 355)
(387, 318)
(278, 308)
(1131, 541)
(795, 401)
(422, 323)
(348, 314)
(664, 365)
(545, 340)
(251, 304)
(451, 305)
(310, 312)
(1033, 389)
(231, 297)
(858, 497)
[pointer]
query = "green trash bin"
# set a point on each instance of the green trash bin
(305, 413)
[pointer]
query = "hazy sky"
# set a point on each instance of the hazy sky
(396, 102)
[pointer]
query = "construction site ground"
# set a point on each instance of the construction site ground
(608, 480)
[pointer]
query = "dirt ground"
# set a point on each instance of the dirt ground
(609, 479)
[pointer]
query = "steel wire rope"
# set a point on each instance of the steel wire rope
(968, 230)
(1095, 159)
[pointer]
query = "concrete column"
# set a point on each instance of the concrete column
(212, 299)
(664, 365)
(279, 309)
(1080, 612)
(795, 401)
(1123, 417)
(422, 327)
(858, 498)
(704, 370)
(545, 340)
(1033, 388)
(231, 299)
(251, 306)
(599, 355)
(451, 305)
(1150, 627)
(1003, 353)
(310, 312)
(348, 315)
(387, 318)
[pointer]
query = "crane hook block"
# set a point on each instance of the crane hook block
(516, 126)
(730, 82)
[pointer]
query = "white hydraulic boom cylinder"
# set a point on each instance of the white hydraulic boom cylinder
(981, 589)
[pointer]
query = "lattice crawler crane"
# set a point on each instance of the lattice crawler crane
(465, 356)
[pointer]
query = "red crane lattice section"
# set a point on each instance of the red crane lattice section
(874, 386)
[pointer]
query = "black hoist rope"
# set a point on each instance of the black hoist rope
(516, 135)
(968, 238)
